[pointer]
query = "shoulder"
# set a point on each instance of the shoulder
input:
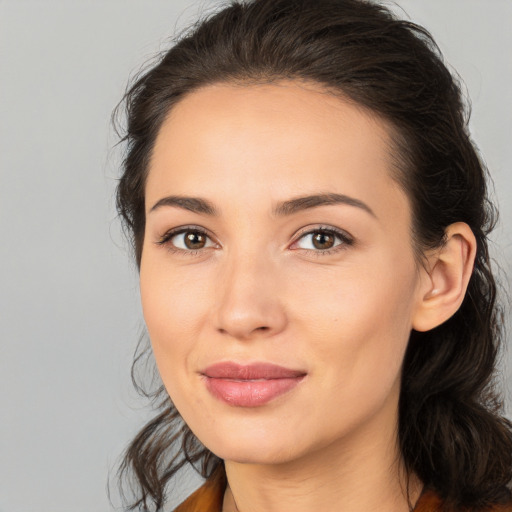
(507, 507)
(431, 502)
(209, 497)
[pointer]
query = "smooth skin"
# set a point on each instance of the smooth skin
(263, 287)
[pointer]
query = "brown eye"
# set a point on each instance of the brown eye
(322, 240)
(186, 240)
(194, 240)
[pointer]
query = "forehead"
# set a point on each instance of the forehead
(272, 140)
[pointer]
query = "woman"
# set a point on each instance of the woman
(310, 220)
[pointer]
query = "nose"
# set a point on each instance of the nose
(249, 300)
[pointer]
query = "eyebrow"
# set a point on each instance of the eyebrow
(283, 209)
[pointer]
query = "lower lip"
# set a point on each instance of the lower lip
(250, 393)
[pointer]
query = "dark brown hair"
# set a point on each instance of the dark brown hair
(451, 431)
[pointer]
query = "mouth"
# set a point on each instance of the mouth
(251, 385)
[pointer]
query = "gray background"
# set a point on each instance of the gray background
(69, 296)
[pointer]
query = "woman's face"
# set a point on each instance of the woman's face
(240, 270)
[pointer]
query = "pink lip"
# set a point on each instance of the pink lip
(250, 385)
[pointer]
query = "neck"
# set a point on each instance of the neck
(358, 475)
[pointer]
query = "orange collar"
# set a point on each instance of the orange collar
(209, 498)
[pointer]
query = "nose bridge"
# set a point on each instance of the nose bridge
(249, 299)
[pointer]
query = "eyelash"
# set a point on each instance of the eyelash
(346, 240)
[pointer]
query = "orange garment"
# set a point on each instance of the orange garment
(209, 498)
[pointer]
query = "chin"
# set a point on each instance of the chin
(256, 455)
(264, 449)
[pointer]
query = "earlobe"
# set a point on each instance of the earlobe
(445, 278)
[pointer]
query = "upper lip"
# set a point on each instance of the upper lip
(259, 370)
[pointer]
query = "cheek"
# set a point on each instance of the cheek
(359, 322)
(172, 307)
(354, 298)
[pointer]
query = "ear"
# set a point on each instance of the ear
(445, 278)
